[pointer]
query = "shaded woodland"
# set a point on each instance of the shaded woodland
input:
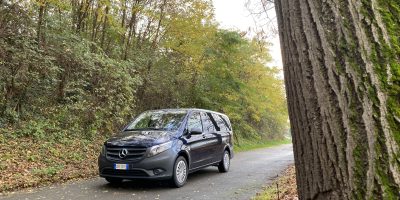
(86, 67)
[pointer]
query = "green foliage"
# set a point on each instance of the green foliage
(33, 128)
(237, 82)
(83, 68)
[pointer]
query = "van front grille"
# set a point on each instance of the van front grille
(125, 153)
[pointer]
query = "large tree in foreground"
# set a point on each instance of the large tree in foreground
(342, 75)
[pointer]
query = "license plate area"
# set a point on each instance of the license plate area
(121, 166)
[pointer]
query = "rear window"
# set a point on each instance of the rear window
(227, 122)
(221, 122)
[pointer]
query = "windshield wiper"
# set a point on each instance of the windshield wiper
(142, 129)
(155, 129)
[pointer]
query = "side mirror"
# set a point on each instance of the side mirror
(195, 131)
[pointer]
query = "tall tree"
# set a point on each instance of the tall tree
(342, 75)
(42, 10)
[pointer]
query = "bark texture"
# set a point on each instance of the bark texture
(342, 74)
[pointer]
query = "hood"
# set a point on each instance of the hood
(140, 138)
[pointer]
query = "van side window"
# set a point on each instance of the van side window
(194, 121)
(227, 122)
(220, 122)
(208, 124)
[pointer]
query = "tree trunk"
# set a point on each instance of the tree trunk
(40, 23)
(131, 29)
(123, 7)
(342, 76)
(104, 31)
(94, 23)
(155, 40)
(82, 14)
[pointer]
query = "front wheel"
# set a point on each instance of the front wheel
(180, 172)
(225, 162)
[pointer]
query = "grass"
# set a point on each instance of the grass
(251, 145)
(282, 188)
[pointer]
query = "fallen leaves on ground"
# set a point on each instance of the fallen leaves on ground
(283, 188)
(27, 162)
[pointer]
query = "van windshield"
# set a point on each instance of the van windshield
(158, 120)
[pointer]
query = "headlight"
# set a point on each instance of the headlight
(154, 150)
(103, 150)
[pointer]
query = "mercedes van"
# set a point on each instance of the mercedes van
(168, 144)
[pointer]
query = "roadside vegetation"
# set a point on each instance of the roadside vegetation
(27, 162)
(74, 72)
(283, 188)
(248, 145)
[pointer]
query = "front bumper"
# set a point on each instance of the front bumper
(142, 169)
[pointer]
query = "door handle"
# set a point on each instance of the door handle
(204, 136)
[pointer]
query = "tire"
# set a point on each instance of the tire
(114, 181)
(225, 162)
(180, 172)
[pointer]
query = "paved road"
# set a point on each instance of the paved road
(248, 173)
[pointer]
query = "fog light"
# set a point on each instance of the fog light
(157, 171)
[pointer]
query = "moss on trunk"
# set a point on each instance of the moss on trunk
(342, 75)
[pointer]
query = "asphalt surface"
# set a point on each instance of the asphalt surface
(249, 171)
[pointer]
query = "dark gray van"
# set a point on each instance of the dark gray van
(168, 144)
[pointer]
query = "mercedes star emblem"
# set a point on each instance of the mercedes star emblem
(123, 153)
